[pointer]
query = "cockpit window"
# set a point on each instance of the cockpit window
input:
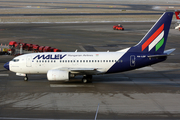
(15, 60)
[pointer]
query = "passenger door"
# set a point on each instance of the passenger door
(28, 61)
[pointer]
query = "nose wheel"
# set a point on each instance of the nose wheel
(26, 78)
(87, 79)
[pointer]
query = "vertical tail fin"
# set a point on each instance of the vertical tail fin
(155, 40)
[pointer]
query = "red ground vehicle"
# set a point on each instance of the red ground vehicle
(12, 44)
(29, 47)
(56, 50)
(23, 45)
(47, 49)
(17, 45)
(41, 48)
(118, 27)
(52, 49)
(35, 48)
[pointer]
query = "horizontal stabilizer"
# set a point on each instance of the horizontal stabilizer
(166, 53)
(169, 51)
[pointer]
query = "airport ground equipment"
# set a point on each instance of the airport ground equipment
(118, 27)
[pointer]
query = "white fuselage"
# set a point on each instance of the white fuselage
(42, 62)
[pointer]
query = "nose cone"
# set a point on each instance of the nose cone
(6, 65)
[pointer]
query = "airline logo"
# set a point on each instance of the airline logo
(177, 14)
(156, 40)
(56, 56)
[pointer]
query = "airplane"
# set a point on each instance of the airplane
(177, 13)
(62, 66)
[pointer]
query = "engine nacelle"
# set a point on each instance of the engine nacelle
(57, 75)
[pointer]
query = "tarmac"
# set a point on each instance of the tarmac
(43, 11)
(149, 93)
(152, 92)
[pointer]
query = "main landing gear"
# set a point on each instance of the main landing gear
(87, 79)
(26, 78)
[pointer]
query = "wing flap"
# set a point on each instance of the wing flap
(88, 71)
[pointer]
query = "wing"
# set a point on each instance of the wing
(86, 71)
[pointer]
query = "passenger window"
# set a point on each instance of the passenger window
(77, 60)
(103, 60)
(83, 60)
(86, 60)
(109, 60)
(37, 61)
(106, 60)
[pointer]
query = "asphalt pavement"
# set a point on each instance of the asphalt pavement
(148, 93)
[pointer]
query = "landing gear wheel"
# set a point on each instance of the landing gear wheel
(26, 78)
(87, 79)
(84, 80)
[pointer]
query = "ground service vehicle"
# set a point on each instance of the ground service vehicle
(118, 27)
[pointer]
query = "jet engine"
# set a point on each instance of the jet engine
(57, 75)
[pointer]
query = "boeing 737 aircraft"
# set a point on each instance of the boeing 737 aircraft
(61, 66)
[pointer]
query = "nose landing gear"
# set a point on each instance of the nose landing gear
(26, 78)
